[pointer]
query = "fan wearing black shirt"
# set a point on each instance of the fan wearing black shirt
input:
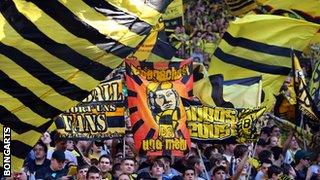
(40, 161)
(56, 169)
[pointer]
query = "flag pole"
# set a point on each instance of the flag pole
(201, 160)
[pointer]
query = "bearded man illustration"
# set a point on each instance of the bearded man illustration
(163, 101)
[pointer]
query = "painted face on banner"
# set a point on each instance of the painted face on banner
(166, 99)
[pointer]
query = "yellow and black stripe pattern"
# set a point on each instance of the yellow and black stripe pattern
(261, 45)
(52, 53)
(239, 7)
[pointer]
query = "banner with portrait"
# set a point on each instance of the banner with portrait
(100, 115)
(156, 111)
(221, 125)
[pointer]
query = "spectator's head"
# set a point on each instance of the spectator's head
(157, 168)
(265, 133)
(189, 174)
(21, 175)
(261, 145)
(40, 150)
(127, 165)
(167, 161)
(124, 176)
(274, 172)
(302, 158)
(294, 144)
(82, 172)
(275, 131)
(265, 155)
(57, 160)
(94, 173)
(277, 152)
(116, 170)
(229, 148)
(195, 162)
(218, 160)
(219, 173)
(273, 141)
(46, 139)
(105, 163)
(70, 145)
(265, 166)
(97, 146)
(129, 138)
(240, 150)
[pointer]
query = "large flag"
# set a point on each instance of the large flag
(308, 10)
(221, 125)
(240, 7)
(258, 45)
(304, 100)
(53, 53)
(98, 116)
(239, 93)
(156, 112)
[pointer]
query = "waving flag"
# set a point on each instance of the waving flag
(308, 10)
(304, 100)
(260, 45)
(52, 53)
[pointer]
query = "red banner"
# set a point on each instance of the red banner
(156, 110)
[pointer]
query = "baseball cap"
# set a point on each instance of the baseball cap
(301, 154)
(59, 155)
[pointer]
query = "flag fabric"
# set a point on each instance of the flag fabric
(173, 16)
(260, 45)
(238, 93)
(243, 93)
(314, 85)
(308, 10)
(53, 53)
(240, 7)
(210, 91)
(221, 125)
(155, 47)
(304, 101)
(98, 116)
(156, 112)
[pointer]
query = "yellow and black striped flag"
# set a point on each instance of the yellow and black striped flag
(261, 45)
(240, 7)
(308, 10)
(52, 53)
(304, 100)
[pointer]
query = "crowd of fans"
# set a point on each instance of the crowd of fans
(205, 23)
(272, 157)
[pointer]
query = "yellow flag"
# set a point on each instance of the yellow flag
(261, 45)
(52, 53)
(308, 10)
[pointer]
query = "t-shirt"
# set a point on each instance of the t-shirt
(69, 156)
(33, 167)
(48, 173)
